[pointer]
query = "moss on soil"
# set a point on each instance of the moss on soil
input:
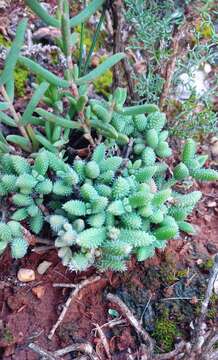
(103, 83)
(7, 336)
(165, 332)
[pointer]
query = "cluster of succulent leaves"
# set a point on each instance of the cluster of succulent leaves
(116, 203)
(121, 207)
(12, 234)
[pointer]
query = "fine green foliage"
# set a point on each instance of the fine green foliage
(156, 27)
(153, 25)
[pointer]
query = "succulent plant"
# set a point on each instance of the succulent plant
(119, 201)
(120, 207)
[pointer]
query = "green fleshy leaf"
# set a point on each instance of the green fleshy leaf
(91, 238)
(44, 73)
(13, 54)
(101, 69)
(75, 207)
(140, 109)
(37, 96)
(85, 14)
(39, 10)
(58, 120)
(21, 141)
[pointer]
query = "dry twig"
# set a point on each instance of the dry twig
(118, 22)
(103, 340)
(42, 249)
(56, 355)
(171, 64)
(133, 321)
(200, 334)
(83, 347)
(170, 355)
(65, 285)
(44, 353)
(117, 15)
(113, 323)
(72, 296)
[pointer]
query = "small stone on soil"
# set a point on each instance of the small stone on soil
(212, 248)
(26, 275)
(43, 267)
(211, 204)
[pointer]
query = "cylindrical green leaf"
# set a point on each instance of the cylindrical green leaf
(101, 69)
(3, 106)
(86, 13)
(44, 73)
(106, 128)
(13, 54)
(42, 13)
(58, 120)
(20, 141)
(43, 141)
(65, 29)
(140, 109)
(40, 91)
(7, 120)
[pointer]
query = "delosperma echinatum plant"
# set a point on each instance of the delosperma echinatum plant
(121, 199)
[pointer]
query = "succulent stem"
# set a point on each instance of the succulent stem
(14, 113)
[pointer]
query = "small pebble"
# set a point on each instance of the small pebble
(207, 68)
(211, 204)
(194, 300)
(212, 248)
(199, 261)
(95, 61)
(43, 267)
(26, 275)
